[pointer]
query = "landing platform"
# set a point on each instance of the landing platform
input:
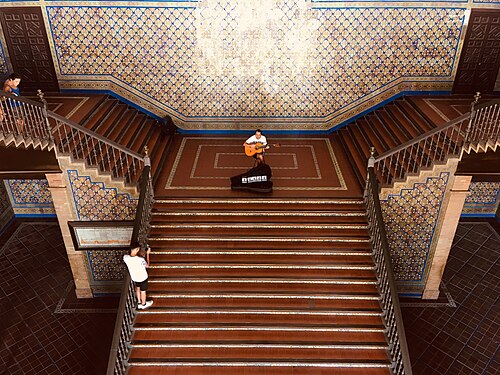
(201, 166)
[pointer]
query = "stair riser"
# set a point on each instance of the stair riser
(268, 244)
(258, 369)
(258, 353)
(261, 258)
(253, 303)
(261, 272)
(260, 287)
(235, 335)
(282, 231)
(236, 218)
(261, 318)
(256, 206)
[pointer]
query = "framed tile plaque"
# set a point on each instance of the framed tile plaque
(101, 235)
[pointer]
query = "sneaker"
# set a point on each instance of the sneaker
(145, 306)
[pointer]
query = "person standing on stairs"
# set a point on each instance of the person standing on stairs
(11, 86)
(136, 265)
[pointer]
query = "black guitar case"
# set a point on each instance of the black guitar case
(256, 179)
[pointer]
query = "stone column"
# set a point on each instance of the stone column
(65, 210)
(451, 216)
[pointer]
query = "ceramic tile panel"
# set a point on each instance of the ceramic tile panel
(410, 220)
(304, 67)
(94, 201)
(30, 197)
(483, 199)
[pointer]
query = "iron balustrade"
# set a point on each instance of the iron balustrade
(393, 321)
(480, 126)
(24, 120)
(30, 121)
(120, 349)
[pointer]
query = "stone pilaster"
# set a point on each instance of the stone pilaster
(65, 210)
(451, 216)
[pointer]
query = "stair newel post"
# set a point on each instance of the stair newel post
(471, 118)
(41, 95)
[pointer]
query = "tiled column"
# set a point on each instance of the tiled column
(453, 209)
(64, 206)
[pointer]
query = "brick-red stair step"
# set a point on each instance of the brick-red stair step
(260, 316)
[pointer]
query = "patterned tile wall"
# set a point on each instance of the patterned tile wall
(209, 68)
(410, 219)
(30, 197)
(95, 202)
(483, 199)
(3, 63)
(6, 211)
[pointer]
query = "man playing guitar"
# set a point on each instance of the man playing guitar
(256, 145)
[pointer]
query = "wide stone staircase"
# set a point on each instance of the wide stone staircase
(260, 286)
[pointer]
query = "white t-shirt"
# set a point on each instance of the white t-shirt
(253, 139)
(137, 267)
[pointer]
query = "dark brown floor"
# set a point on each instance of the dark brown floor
(43, 328)
(460, 334)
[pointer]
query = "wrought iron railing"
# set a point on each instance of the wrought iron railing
(24, 120)
(480, 125)
(31, 122)
(394, 328)
(118, 359)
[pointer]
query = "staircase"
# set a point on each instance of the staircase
(102, 133)
(260, 287)
(389, 127)
(120, 123)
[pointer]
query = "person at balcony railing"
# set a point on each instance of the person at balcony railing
(11, 86)
(136, 262)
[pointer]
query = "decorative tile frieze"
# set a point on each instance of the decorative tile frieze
(30, 197)
(410, 219)
(483, 199)
(353, 55)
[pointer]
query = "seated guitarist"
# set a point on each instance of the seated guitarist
(258, 138)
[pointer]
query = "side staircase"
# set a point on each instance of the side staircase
(401, 125)
(260, 287)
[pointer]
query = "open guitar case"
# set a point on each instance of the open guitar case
(257, 179)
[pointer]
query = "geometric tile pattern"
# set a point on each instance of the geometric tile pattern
(29, 192)
(410, 219)
(464, 339)
(356, 53)
(483, 198)
(30, 197)
(106, 265)
(3, 63)
(95, 202)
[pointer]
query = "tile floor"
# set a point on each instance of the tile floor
(462, 337)
(45, 330)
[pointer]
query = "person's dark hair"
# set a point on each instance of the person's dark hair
(258, 131)
(14, 76)
(134, 245)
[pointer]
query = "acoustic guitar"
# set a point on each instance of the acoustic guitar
(257, 148)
